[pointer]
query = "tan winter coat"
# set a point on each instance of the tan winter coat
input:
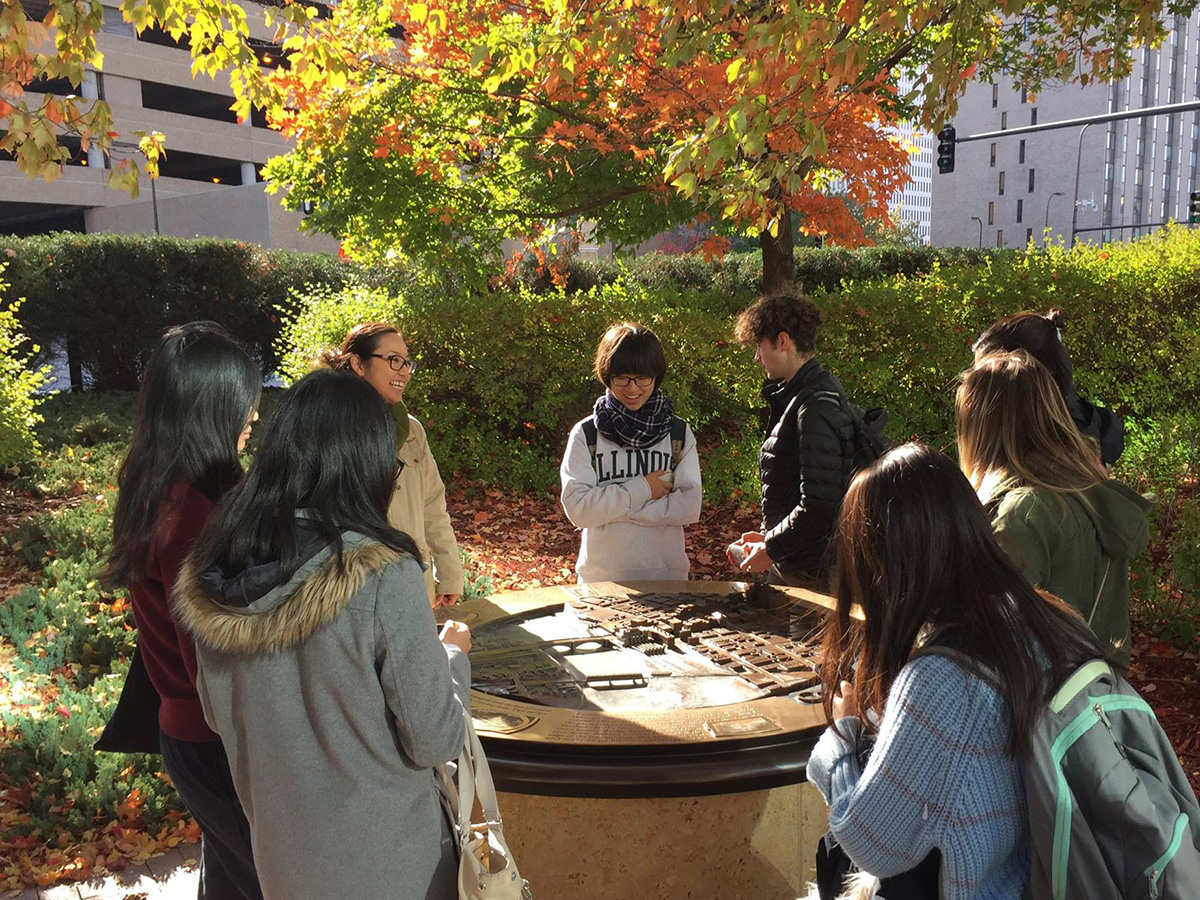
(419, 510)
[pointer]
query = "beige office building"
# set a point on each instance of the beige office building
(1134, 175)
(210, 179)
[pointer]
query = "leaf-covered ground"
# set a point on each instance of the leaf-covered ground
(519, 542)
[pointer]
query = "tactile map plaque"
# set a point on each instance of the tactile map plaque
(644, 663)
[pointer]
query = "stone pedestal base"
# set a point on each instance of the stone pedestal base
(757, 845)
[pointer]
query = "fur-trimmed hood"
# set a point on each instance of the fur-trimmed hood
(286, 615)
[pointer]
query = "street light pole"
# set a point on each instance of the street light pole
(1078, 164)
(1046, 224)
(980, 221)
(126, 145)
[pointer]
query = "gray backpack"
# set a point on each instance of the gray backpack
(1111, 813)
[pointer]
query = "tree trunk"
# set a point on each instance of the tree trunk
(74, 365)
(779, 268)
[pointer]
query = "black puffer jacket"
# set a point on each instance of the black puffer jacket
(805, 465)
(1100, 423)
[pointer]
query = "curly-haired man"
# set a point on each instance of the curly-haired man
(807, 458)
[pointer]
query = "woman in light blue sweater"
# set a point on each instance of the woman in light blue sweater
(915, 551)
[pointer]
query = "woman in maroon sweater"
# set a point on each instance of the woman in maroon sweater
(198, 398)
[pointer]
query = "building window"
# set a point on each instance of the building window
(1033, 116)
(999, 237)
(1003, 121)
(1028, 235)
(1021, 152)
(1032, 173)
(992, 153)
(991, 213)
(1020, 210)
(1000, 185)
(995, 95)
(1024, 95)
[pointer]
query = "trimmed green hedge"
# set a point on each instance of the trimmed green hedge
(110, 295)
(506, 373)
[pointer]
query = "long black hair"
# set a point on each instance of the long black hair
(915, 551)
(329, 449)
(197, 394)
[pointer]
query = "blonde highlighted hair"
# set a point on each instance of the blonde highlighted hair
(1012, 422)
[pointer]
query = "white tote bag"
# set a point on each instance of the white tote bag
(486, 869)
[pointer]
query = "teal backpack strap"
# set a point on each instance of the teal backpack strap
(590, 437)
(678, 437)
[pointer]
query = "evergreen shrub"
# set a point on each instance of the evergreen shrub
(506, 372)
(110, 296)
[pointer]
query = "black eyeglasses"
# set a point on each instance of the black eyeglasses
(623, 381)
(398, 363)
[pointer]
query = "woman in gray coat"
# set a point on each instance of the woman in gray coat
(319, 659)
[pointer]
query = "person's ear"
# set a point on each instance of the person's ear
(357, 366)
(784, 343)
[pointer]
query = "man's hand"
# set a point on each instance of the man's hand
(756, 559)
(441, 600)
(658, 487)
(843, 702)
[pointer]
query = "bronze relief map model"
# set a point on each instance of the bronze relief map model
(673, 663)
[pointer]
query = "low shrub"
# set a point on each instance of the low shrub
(19, 386)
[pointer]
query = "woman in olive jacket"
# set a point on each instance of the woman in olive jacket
(1070, 528)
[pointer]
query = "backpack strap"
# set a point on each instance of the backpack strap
(829, 397)
(678, 436)
(590, 437)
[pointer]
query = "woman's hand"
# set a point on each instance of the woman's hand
(443, 600)
(843, 702)
(456, 634)
(658, 487)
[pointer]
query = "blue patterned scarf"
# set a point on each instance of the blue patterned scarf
(638, 429)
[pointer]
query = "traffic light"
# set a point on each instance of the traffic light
(1194, 208)
(946, 150)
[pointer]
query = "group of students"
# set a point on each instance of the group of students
(1015, 556)
(1035, 453)
(284, 613)
(285, 620)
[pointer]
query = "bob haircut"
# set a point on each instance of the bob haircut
(329, 449)
(915, 552)
(198, 391)
(1012, 421)
(630, 349)
(361, 341)
(1039, 335)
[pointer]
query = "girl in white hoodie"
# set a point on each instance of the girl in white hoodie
(631, 474)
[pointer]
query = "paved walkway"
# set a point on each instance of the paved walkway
(172, 876)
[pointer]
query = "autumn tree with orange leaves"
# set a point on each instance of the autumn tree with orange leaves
(437, 130)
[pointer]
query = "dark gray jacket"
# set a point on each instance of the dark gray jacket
(335, 700)
(805, 465)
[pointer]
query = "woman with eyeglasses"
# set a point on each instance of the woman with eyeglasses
(631, 474)
(378, 353)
